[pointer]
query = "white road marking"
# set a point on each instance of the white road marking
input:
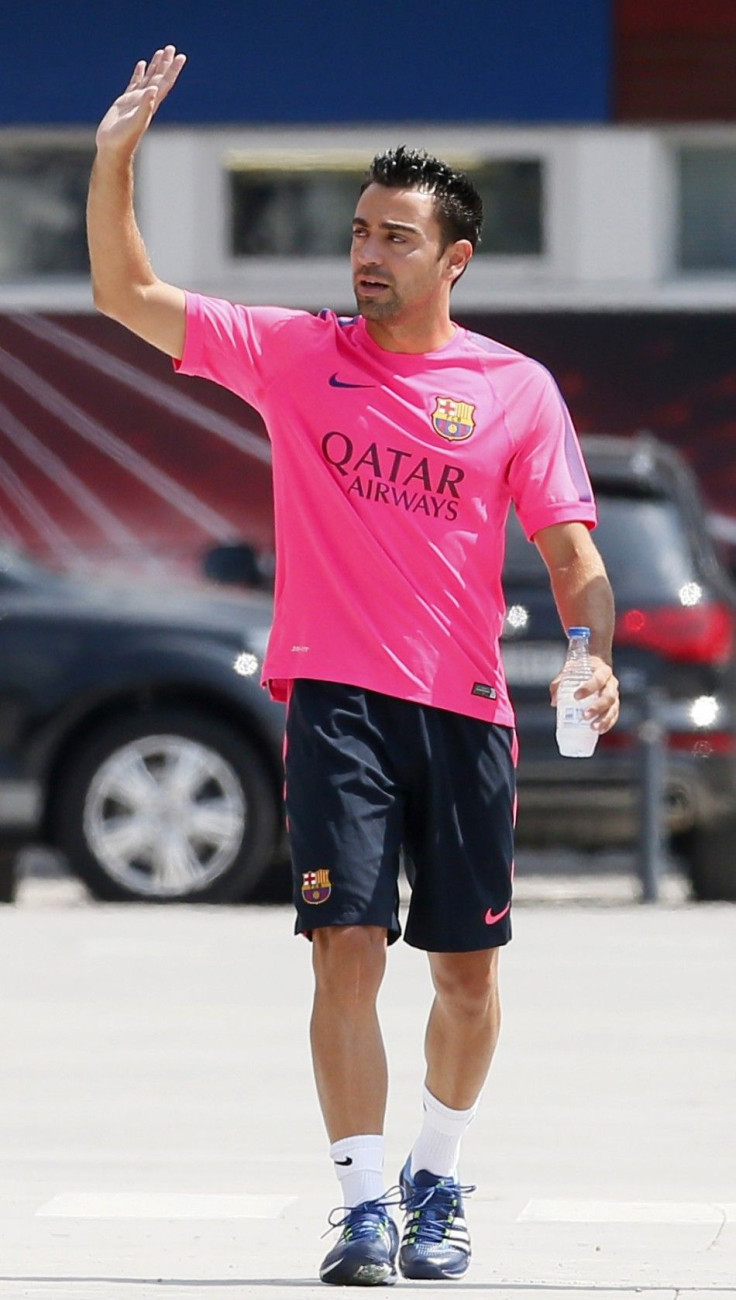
(627, 1212)
(163, 1205)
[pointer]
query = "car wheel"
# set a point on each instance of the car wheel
(167, 806)
(709, 857)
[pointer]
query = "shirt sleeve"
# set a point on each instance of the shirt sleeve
(547, 475)
(242, 348)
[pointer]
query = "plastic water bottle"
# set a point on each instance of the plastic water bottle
(575, 736)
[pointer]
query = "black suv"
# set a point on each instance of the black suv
(676, 615)
(135, 737)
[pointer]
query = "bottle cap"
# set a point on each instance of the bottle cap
(578, 631)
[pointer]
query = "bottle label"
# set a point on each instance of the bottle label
(571, 715)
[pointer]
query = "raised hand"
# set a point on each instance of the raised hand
(127, 120)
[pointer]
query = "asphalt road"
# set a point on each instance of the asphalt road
(161, 1136)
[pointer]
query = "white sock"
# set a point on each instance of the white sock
(358, 1164)
(437, 1149)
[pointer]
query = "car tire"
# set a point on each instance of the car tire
(171, 805)
(708, 854)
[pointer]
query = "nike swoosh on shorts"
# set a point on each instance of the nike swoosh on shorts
(492, 918)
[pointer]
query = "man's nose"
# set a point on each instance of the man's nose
(368, 252)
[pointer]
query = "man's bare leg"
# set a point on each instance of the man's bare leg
(352, 1081)
(462, 1032)
(347, 1046)
(463, 1026)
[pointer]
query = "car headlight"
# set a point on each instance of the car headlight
(246, 664)
(704, 711)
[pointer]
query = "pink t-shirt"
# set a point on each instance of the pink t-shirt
(393, 474)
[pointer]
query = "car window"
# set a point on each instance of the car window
(643, 543)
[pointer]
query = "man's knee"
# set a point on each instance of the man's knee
(349, 960)
(466, 983)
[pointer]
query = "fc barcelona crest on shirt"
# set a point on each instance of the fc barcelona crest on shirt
(316, 887)
(453, 420)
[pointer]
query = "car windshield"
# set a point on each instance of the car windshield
(642, 541)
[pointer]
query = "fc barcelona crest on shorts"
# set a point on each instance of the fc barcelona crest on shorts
(453, 420)
(316, 887)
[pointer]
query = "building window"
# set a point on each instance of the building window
(291, 213)
(42, 201)
(513, 200)
(707, 194)
(306, 210)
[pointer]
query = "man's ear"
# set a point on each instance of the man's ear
(458, 256)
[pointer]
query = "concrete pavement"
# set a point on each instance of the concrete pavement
(161, 1136)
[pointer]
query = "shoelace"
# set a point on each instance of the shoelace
(361, 1219)
(438, 1203)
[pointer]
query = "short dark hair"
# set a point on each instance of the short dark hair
(458, 205)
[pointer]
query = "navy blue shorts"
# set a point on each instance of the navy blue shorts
(368, 777)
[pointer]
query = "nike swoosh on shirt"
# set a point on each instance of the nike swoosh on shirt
(491, 917)
(340, 383)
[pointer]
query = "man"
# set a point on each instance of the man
(399, 441)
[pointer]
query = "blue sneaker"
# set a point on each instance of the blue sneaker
(436, 1242)
(365, 1253)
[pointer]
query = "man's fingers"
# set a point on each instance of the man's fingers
(607, 720)
(167, 56)
(601, 694)
(170, 70)
(590, 690)
(604, 704)
(602, 680)
(601, 704)
(156, 77)
(138, 74)
(154, 63)
(143, 72)
(164, 69)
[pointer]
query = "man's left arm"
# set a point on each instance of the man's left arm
(584, 598)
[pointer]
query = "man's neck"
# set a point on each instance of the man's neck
(395, 337)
